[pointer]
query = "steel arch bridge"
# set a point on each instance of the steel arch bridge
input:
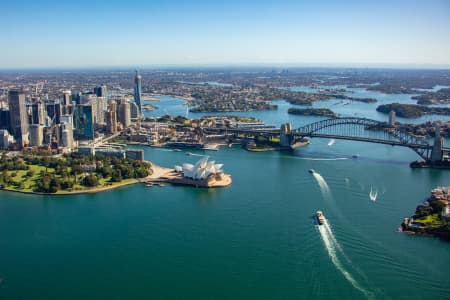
(364, 130)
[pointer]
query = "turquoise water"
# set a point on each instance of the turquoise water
(253, 240)
(344, 108)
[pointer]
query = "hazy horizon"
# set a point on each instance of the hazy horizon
(175, 33)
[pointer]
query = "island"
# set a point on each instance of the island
(431, 218)
(323, 112)
(69, 173)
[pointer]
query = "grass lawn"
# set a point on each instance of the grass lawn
(431, 220)
(27, 183)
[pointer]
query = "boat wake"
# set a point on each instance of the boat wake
(311, 158)
(373, 194)
(331, 142)
(334, 250)
(325, 189)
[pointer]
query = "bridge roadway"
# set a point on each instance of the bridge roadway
(363, 139)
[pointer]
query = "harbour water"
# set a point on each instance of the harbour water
(256, 239)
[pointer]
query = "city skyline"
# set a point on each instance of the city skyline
(51, 34)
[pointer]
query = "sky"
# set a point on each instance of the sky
(58, 34)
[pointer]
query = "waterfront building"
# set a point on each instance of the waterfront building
(84, 121)
(392, 118)
(138, 91)
(18, 116)
(201, 170)
(124, 113)
(36, 135)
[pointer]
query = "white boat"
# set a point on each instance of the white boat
(312, 171)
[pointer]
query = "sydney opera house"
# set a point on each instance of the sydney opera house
(203, 174)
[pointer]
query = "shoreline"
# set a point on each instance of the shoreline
(157, 172)
(77, 192)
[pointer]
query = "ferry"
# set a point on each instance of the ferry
(320, 217)
(312, 171)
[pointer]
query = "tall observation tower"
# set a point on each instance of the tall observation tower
(137, 91)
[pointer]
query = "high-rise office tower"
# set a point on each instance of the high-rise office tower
(137, 91)
(67, 98)
(134, 109)
(124, 113)
(4, 118)
(84, 121)
(38, 113)
(54, 111)
(100, 91)
(66, 102)
(65, 135)
(18, 116)
(36, 134)
(100, 110)
(111, 117)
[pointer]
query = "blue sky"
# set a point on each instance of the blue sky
(173, 32)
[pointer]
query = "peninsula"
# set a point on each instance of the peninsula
(412, 110)
(323, 112)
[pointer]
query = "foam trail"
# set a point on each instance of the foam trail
(330, 244)
(162, 149)
(331, 142)
(323, 184)
(373, 195)
(195, 154)
(311, 158)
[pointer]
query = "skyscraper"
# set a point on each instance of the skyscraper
(36, 134)
(111, 117)
(124, 113)
(100, 91)
(137, 91)
(84, 121)
(18, 116)
(67, 107)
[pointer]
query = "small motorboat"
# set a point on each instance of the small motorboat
(312, 171)
(320, 217)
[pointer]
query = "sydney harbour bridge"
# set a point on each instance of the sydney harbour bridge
(349, 128)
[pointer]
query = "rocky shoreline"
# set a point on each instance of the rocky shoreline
(432, 217)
